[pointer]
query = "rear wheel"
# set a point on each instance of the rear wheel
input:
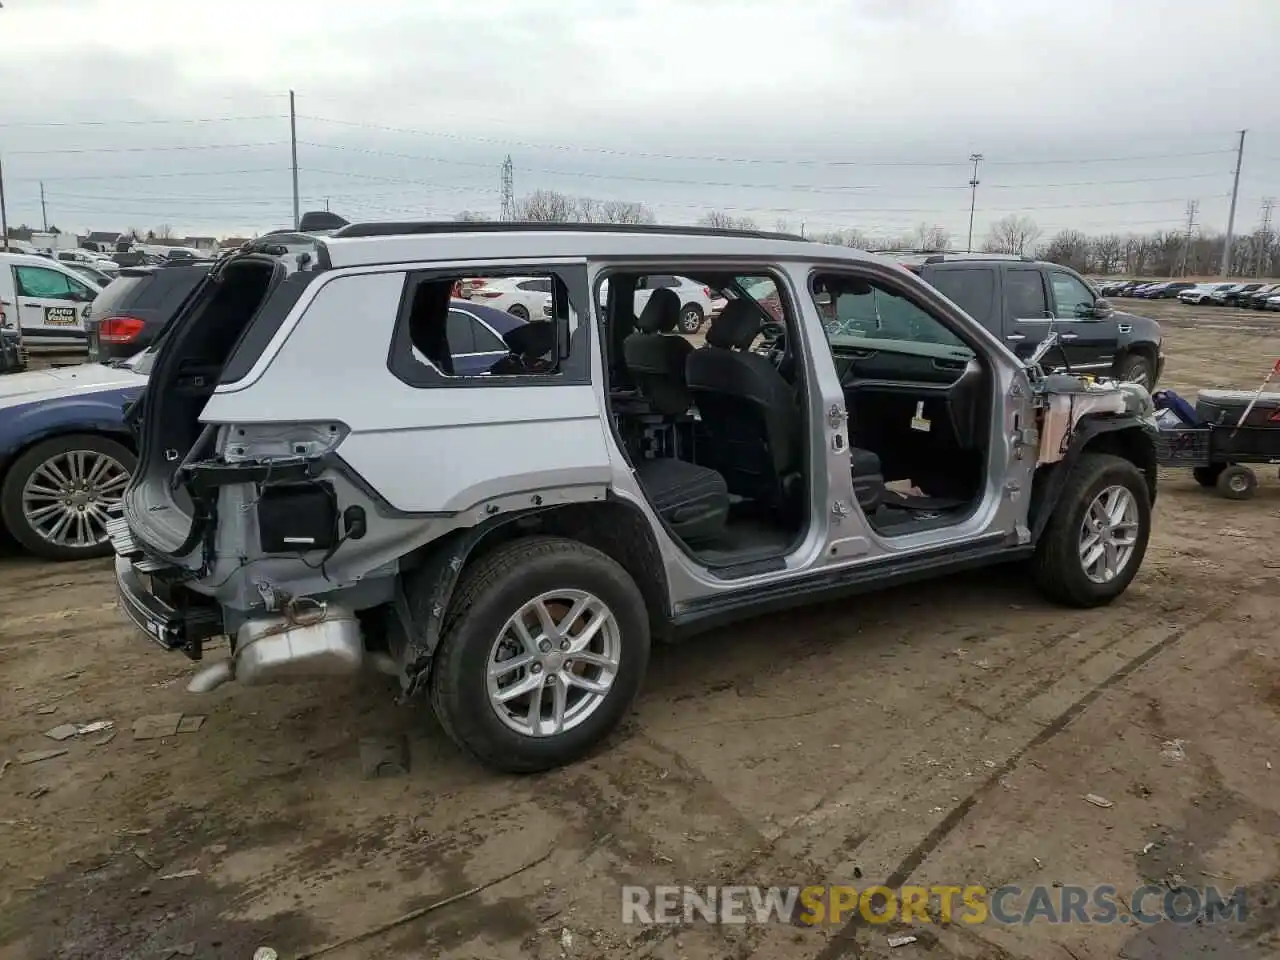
(1237, 482)
(691, 318)
(1207, 476)
(57, 496)
(542, 654)
(1096, 538)
(518, 311)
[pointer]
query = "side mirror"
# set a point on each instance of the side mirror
(1102, 308)
(771, 331)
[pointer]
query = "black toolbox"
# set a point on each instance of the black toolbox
(1223, 408)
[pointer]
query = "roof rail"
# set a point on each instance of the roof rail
(402, 228)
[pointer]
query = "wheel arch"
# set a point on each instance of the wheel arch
(1142, 349)
(11, 453)
(614, 527)
(1124, 437)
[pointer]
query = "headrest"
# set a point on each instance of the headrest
(737, 326)
(536, 338)
(661, 313)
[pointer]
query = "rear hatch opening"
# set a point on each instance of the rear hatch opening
(161, 510)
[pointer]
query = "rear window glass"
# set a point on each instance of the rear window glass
(117, 293)
(974, 291)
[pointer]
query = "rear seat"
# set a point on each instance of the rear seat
(692, 500)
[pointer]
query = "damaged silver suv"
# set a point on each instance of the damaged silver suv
(343, 467)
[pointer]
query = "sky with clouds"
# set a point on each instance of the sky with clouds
(1104, 116)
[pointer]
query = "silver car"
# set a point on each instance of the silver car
(322, 483)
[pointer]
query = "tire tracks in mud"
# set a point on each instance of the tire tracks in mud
(842, 944)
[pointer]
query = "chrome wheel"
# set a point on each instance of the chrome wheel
(1109, 534)
(67, 498)
(690, 321)
(554, 662)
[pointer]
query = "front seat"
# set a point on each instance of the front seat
(750, 411)
(755, 421)
(655, 356)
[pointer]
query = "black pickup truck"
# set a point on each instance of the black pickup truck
(1020, 300)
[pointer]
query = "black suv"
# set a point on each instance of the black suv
(1020, 300)
(129, 313)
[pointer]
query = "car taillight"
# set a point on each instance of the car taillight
(120, 329)
(488, 294)
(706, 292)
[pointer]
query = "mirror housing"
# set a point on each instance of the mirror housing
(1101, 309)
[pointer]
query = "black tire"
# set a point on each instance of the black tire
(1207, 476)
(1135, 368)
(11, 511)
(518, 311)
(691, 318)
(1237, 482)
(490, 592)
(1056, 566)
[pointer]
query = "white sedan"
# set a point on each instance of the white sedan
(522, 297)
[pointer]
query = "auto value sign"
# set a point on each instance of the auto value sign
(60, 316)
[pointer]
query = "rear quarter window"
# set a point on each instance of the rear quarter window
(119, 293)
(973, 290)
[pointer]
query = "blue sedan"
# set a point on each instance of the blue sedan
(66, 455)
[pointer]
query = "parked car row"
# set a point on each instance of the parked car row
(1255, 296)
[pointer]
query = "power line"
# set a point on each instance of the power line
(162, 121)
(150, 176)
(704, 158)
(179, 147)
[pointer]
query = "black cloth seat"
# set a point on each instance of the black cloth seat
(655, 357)
(693, 500)
(868, 480)
(753, 418)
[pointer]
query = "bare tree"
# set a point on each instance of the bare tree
(1070, 248)
(471, 216)
(724, 221)
(163, 232)
(781, 225)
(1108, 252)
(547, 206)
(1012, 234)
(931, 239)
(625, 211)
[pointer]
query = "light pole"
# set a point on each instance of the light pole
(975, 158)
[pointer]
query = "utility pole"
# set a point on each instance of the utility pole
(1193, 207)
(507, 183)
(4, 217)
(326, 204)
(975, 158)
(293, 141)
(1264, 235)
(1231, 215)
(44, 214)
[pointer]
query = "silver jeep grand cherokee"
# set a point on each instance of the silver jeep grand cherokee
(342, 469)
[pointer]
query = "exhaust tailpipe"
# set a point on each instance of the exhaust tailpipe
(322, 641)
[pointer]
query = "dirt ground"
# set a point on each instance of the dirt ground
(945, 733)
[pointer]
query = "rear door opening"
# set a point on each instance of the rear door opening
(187, 369)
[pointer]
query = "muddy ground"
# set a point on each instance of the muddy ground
(945, 733)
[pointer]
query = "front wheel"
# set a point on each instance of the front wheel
(691, 318)
(1096, 538)
(57, 496)
(1136, 368)
(542, 654)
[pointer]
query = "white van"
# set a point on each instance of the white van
(46, 300)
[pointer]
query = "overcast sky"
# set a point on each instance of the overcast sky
(827, 113)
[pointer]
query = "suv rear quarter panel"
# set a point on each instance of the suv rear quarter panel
(421, 449)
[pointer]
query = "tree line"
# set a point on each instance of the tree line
(1162, 253)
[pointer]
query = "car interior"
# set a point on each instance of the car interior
(718, 433)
